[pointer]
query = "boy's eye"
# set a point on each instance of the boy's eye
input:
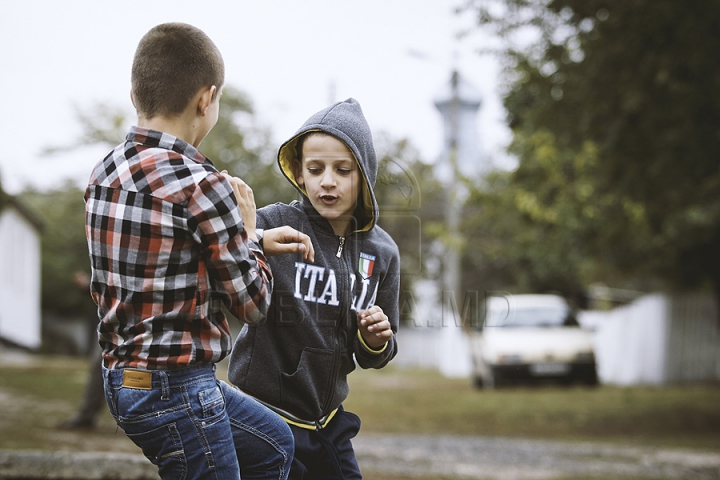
(314, 170)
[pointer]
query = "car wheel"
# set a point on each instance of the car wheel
(492, 380)
(591, 378)
(586, 376)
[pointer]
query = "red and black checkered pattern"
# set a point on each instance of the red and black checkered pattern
(168, 249)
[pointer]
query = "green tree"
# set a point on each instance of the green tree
(638, 85)
(543, 227)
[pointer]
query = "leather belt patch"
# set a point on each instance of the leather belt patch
(137, 379)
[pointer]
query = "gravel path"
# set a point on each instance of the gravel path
(512, 459)
(426, 457)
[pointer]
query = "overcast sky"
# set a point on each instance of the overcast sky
(290, 57)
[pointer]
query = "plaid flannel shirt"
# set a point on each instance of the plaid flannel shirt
(168, 249)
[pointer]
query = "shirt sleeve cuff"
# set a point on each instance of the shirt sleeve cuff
(368, 347)
(257, 251)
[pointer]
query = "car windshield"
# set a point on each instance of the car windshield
(529, 317)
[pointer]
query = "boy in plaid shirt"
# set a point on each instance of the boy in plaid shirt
(169, 247)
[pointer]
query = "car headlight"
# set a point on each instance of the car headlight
(513, 358)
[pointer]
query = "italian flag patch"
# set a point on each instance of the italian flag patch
(366, 264)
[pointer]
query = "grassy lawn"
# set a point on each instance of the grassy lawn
(424, 402)
(36, 397)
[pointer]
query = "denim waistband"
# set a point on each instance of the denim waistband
(163, 378)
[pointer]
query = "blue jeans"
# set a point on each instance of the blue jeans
(193, 426)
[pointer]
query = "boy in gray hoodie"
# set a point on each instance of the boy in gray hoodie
(328, 315)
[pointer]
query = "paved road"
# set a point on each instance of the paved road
(511, 459)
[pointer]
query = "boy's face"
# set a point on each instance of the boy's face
(331, 178)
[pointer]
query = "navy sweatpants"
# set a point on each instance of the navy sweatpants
(327, 454)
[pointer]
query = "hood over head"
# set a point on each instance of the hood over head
(345, 121)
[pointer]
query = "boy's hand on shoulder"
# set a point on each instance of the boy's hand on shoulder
(282, 240)
(374, 327)
(246, 202)
(276, 241)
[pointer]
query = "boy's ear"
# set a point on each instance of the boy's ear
(205, 99)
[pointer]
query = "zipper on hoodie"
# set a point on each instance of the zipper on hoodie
(345, 298)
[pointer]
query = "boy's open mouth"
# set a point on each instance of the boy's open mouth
(328, 199)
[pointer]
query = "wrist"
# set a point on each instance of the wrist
(250, 232)
(370, 348)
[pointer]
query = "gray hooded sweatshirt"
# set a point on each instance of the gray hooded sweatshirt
(297, 359)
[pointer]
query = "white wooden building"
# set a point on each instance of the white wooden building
(20, 317)
(657, 339)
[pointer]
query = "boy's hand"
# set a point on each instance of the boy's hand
(246, 201)
(282, 240)
(374, 327)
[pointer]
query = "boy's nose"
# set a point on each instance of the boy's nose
(327, 180)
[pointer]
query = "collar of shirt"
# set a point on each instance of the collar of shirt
(154, 138)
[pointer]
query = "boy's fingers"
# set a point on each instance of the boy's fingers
(283, 248)
(241, 189)
(373, 312)
(300, 243)
(386, 334)
(306, 247)
(282, 240)
(374, 321)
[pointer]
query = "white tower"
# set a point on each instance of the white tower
(458, 103)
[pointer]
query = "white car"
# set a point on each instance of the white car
(530, 337)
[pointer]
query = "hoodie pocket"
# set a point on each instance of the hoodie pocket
(306, 390)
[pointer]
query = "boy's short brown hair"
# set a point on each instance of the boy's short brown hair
(173, 61)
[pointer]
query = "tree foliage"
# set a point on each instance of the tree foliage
(615, 109)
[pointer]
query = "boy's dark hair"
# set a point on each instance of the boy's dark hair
(300, 141)
(173, 61)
